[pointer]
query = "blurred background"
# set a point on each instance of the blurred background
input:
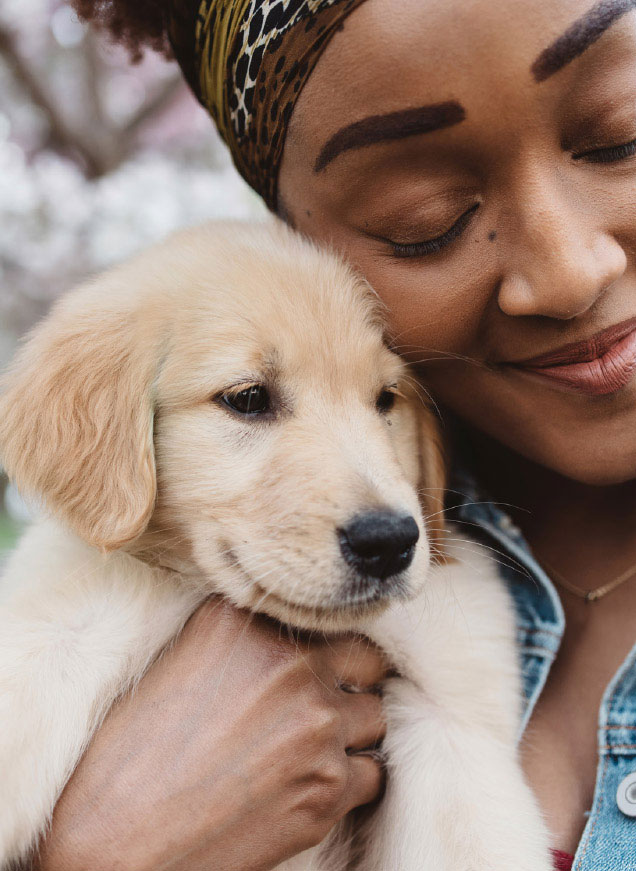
(98, 158)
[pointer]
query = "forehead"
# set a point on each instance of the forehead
(397, 54)
(275, 309)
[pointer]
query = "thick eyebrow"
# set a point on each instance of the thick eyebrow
(394, 125)
(579, 37)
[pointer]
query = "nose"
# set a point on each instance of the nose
(379, 544)
(561, 260)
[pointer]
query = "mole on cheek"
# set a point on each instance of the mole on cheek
(492, 236)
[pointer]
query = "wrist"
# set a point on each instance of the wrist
(75, 844)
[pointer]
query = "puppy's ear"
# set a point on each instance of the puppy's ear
(76, 418)
(433, 477)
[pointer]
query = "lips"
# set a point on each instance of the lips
(598, 366)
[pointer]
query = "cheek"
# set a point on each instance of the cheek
(203, 462)
(433, 305)
(620, 217)
(439, 320)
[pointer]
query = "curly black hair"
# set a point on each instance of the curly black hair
(136, 24)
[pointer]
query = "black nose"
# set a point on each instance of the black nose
(379, 543)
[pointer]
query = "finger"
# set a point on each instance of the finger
(366, 778)
(355, 660)
(362, 720)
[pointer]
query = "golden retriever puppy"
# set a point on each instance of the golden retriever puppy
(222, 414)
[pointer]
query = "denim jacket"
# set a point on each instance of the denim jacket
(609, 839)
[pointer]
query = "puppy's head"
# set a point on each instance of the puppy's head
(225, 405)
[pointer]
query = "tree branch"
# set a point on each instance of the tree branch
(154, 106)
(103, 148)
(62, 137)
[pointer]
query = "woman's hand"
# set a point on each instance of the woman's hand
(230, 754)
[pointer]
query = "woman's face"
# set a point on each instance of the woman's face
(487, 190)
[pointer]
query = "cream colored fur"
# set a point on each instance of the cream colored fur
(157, 495)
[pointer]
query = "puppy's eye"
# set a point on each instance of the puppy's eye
(252, 400)
(385, 401)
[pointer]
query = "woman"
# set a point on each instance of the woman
(476, 161)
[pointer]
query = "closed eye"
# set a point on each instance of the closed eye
(433, 246)
(612, 154)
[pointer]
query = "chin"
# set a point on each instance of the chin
(330, 617)
(596, 462)
(595, 474)
(328, 613)
(329, 620)
(324, 598)
(598, 452)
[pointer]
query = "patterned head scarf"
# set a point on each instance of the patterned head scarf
(247, 61)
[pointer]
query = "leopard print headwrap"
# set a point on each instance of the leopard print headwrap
(247, 61)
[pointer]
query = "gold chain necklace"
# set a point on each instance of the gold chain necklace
(597, 593)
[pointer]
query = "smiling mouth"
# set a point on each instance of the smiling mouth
(598, 366)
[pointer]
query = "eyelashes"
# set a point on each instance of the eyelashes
(612, 154)
(432, 246)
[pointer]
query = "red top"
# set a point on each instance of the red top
(562, 861)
